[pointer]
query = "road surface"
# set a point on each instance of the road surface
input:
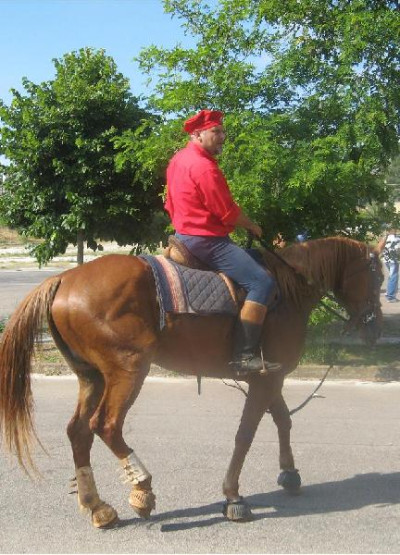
(347, 448)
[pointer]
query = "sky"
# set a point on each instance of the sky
(33, 32)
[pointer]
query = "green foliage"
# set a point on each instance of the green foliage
(393, 179)
(324, 314)
(310, 91)
(3, 323)
(61, 138)
(322, 341)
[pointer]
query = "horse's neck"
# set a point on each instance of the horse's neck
(321, 262)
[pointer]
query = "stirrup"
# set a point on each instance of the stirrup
(270, 366)
(253, 364)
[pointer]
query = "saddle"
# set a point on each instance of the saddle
(177, 252)
(180, 254)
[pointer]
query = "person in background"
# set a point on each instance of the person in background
(389, 246)
(302, 236)
(279, 242)
(203, 214)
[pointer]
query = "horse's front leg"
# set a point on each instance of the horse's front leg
(255, 406)
(289, 478)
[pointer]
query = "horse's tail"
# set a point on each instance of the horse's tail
(16, 349)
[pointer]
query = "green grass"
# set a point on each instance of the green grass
(9, 237)
(352, 355)
(48, 359)
(324, 345)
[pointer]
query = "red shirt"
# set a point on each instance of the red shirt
(199, 201)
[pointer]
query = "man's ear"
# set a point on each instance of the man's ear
(196, 136)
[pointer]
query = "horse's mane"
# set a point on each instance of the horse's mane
(292, 284)
(301, 266)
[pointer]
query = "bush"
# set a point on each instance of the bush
(320, 347)
(3, 323)
(322, 315)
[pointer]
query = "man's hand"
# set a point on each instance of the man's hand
(255, 230)
(244, 221)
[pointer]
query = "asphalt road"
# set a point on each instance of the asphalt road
(14, 285)
(346, 443)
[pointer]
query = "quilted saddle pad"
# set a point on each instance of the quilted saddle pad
(188, 291)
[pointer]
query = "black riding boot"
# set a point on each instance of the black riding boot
(246, 357)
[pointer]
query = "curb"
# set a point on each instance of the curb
(390, 373)
(302, 373)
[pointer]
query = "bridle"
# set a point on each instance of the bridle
(367, 315)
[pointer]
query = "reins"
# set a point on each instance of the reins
(268, 249)
(237, 384)
(332, 310)
(322, 303)
(283, 261)
(293, 411)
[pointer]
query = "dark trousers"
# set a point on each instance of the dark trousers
(223, 255)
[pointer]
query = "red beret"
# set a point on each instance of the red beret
(203, 120)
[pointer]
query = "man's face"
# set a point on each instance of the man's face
(212, 139)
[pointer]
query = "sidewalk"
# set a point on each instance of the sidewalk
(17, 257)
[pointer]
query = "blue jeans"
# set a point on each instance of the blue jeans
(222, 254)
(393, 279)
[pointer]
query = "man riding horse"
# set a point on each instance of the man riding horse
(203, 214)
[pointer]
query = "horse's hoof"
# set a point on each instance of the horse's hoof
(142, 502)
(290, 480)
(238, 511)
(105, 516)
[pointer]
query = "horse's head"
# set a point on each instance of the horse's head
(359, 293)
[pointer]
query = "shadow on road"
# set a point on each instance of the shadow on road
(354, 493)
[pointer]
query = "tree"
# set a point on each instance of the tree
(62, 183)
(311, 94)
(393, 179)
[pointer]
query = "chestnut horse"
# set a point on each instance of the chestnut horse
(104, 318)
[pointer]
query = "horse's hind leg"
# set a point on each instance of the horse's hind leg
(122, 387)
(289, 478)
(91, 388)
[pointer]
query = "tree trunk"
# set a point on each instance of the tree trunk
(80, 238)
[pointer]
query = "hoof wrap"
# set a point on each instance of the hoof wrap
(142, 502)
(290, 480)
(237, 511)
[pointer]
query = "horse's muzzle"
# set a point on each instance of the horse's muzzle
(371, 328)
